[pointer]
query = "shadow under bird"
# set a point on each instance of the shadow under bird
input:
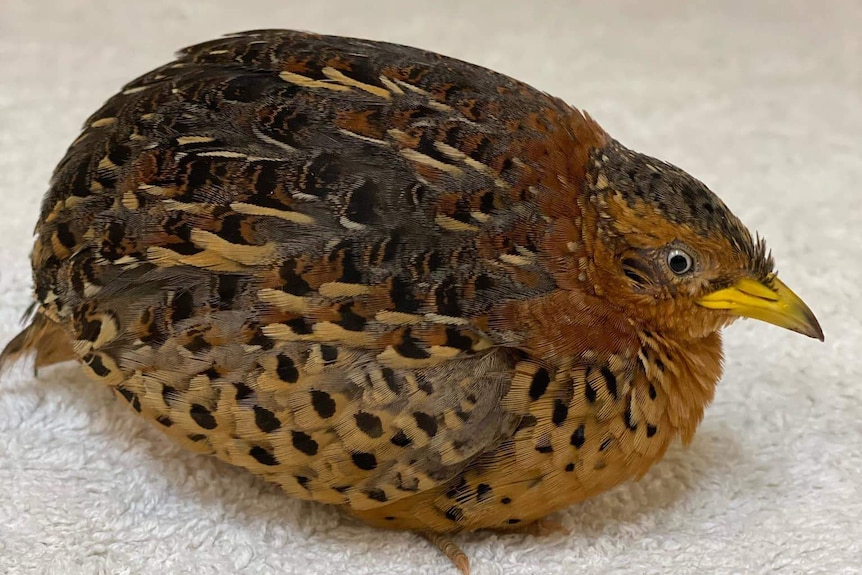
(391, 281)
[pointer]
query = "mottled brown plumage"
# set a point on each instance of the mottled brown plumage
(389, 280)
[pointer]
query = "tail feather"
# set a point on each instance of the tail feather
(43, 337)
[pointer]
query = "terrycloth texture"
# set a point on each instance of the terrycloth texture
(761, 100)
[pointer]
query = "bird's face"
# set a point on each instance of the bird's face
(675, 258)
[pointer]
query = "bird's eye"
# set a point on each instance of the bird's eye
(679, 262)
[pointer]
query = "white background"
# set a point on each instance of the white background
(761, 100)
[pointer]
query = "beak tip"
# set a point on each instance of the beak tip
(817, 333)
(812, 327)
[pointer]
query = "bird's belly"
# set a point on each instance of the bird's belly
(515, 492)
(552, 462)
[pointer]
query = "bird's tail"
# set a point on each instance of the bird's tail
(43, 337)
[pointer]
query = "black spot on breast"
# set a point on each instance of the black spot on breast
(323, 403)
(570, 467)
(196, 437)
(454, 338)
(506, 500)
(292, 281)
(589, 392)
(454, 514)
(539, 384)
(131, 397)
(259, 338)
(606, 443)
(483, 492)
(409, 347)
(426, 423)
(402, 296)
(265, 420)
(328, 353)
(560, 413)
(545, 448)
(578, 437)
(400, 439)
(446, 296)
(227, 287)
(610, 381)
(369, 424)
(182, 306)
(457, 489)
(424, 384)
(360, 207)
(628, 419)
(286, 369)
(165, 420)
(242, 391)
(513, 521)
(304, 443)
(302, 481)
(263, 456)
(365, 461)
(95, 363)
(202, 416)
(391, 381)
(659, 364)
(377, 495)
(652, 392)
(299, 326)
(350, 320)
(651, 430)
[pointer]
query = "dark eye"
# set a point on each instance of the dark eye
(679, 262)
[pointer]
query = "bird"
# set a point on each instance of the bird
(391, 281)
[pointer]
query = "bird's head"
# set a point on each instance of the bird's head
(674, 257)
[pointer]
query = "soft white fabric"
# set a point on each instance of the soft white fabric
(761, 100)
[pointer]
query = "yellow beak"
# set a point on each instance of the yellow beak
(772, 302)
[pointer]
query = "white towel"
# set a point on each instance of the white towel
(761, 100)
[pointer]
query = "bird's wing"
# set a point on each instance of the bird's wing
(287, 249)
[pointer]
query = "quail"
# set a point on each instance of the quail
(390, 281)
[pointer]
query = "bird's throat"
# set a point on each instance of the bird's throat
(686, 373)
